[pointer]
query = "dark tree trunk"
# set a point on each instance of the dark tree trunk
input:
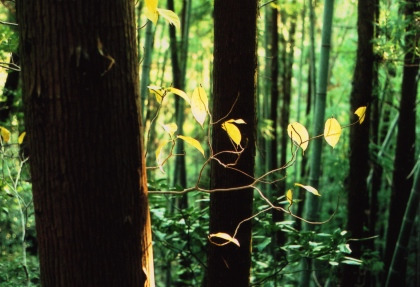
(80, 91)
(358, 198)
(234, 78)
(406, 138)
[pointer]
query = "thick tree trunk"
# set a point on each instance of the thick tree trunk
(80, 90)
(406, 138)
(358, 198)
(234, 78)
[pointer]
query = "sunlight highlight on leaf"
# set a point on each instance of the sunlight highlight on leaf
(180, 93)
(151, 10)
(199, 105)
(170, 128)
(5, 134)
(170, 16)
(158, 92)
(299, 134)
(233, 131)
(361, 112)
(21, 137)
(195, 143)
(289, 197)
(308, 188)
(332, 132)
(224, 236)
(159, 155)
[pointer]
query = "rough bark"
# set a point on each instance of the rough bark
(234, 80)
(80, 92)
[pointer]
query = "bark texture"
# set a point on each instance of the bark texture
(80, 91)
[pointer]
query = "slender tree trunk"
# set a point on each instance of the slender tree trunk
(81, 100)
(234, 80)
(361, 95)
(406, 138)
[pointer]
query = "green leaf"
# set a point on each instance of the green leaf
(170, 16)
(332, 131)
(199, 105)
(195, 143)
(224, 236)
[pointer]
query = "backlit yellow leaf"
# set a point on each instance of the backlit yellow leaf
(170, 128)
(170, 16)
(361, 112)
(332, 131)
(21, 137)
(299, 134)
(232, 130)
(151, 10)
(180, 93)
(158, 92)
(160, 156)
(224, 236)
(195, 143)
(309, 188)
(5, 134)
(289, 196)
(199, 105)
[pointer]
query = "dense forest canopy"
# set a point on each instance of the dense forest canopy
(259, 143)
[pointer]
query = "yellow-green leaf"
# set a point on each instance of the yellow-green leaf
(299, 134)
(199, 105)
(361, 112)
(157, 91)
(309, 188)
(180, 93)
(332, 131)
(289, 196)
(233, 132)
(152, 10)
(195, 143)
(5, 134)
(21, 137)
(170, 128)
(170, 16)
(224, 236)
(159, 155)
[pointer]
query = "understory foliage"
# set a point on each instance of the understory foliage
(180, 231)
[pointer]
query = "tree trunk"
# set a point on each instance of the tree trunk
(406, 138)
(358, 197)
(81, 95)
(234, 78)
(311, 203)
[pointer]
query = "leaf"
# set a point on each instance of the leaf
(180, 93)
(332, 131)
(308, 188)
(289, 197)
(152, 10)
(199, 105)
(170, 128)
(159, 155)
(224, 236)
(232, 130)
(195, 143)
(170, 16)
(21, 137)
(299, 134)
(361, 112)
(158, 91)
(5, 134)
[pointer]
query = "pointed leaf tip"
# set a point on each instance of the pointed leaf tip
(193, 142)
(199, 105)
(309, 188)
(224, 236)
(361, 112)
